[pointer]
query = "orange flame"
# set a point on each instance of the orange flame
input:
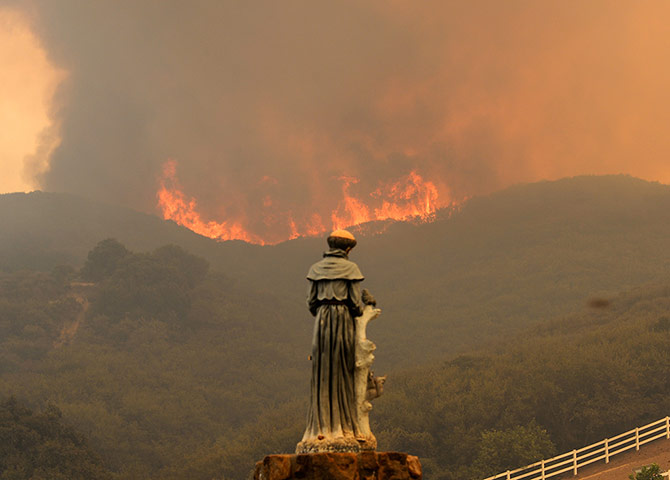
(351, 211)
(176, 207)
(410, 197)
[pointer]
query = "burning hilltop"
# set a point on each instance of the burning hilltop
(407, 197)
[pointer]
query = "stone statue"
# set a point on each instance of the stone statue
(338, 439)
(342, 384)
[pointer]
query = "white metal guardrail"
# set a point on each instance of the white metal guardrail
(603, 450)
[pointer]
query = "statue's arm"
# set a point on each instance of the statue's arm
(355, 298)
(312, 298)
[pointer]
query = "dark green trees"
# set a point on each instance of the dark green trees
(103, 260)
(37, 446)
(649, 472)
(150, 285)
(511, 448)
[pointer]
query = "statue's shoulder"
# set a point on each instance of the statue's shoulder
(334, 268)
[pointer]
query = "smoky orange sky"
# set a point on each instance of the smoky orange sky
(269, 116)
(27, 86)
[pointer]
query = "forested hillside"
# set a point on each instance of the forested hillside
(497, 265)
(580, 378)
(39, 447)
(192, 363)
(575, 380)
(147, 354)
(173, 372)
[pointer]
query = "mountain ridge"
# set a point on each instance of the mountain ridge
(501, 261)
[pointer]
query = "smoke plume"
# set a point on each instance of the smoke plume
(275, 116)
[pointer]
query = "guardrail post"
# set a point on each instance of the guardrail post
(507, 474)
(543, 477)
(574, 462)
(637, 438)
(667, 427)
(607, 450)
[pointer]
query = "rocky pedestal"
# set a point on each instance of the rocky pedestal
(339, 466)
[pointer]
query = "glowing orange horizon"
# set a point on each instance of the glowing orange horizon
(409, 197)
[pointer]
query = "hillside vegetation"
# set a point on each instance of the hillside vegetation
(172, 372)
(153, 360)
(571, 382)
(192, 363)
(39, 447)
(500, 264)
(580, 378)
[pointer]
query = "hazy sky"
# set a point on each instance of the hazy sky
(271, 108)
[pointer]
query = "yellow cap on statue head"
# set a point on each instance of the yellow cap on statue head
(342, 234)
(342, 239)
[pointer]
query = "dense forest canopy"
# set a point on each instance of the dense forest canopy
(180, 363)
(151, 360)
(40, 447)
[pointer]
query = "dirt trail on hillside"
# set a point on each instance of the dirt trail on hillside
(69, 330)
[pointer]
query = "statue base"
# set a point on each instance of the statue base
(339, 466)
(337, 445)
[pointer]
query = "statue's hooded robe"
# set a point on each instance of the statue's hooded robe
(334, 297)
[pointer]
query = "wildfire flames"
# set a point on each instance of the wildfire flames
(409, 197)
(177, 207)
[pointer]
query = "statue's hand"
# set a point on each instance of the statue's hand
(367, 298)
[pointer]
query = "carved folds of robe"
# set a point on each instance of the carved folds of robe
(334, 298)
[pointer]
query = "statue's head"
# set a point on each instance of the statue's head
(341, 239)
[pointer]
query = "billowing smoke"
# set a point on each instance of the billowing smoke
(272, 113)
